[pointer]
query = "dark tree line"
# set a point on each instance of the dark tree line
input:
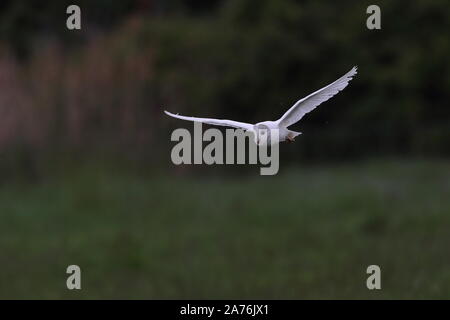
(250, 60)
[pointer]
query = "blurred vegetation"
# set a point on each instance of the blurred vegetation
(85, 174)
(106, 86)
(306, 233)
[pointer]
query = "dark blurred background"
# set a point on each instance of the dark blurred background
(85, 170)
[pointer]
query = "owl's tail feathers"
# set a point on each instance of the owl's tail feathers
(293, 134)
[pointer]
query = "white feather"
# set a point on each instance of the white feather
(217, 122)
(309, 103)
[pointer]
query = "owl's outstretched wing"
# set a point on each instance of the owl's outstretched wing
(309, 103)
(216, 122)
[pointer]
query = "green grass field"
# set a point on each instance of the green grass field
(309, 232)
